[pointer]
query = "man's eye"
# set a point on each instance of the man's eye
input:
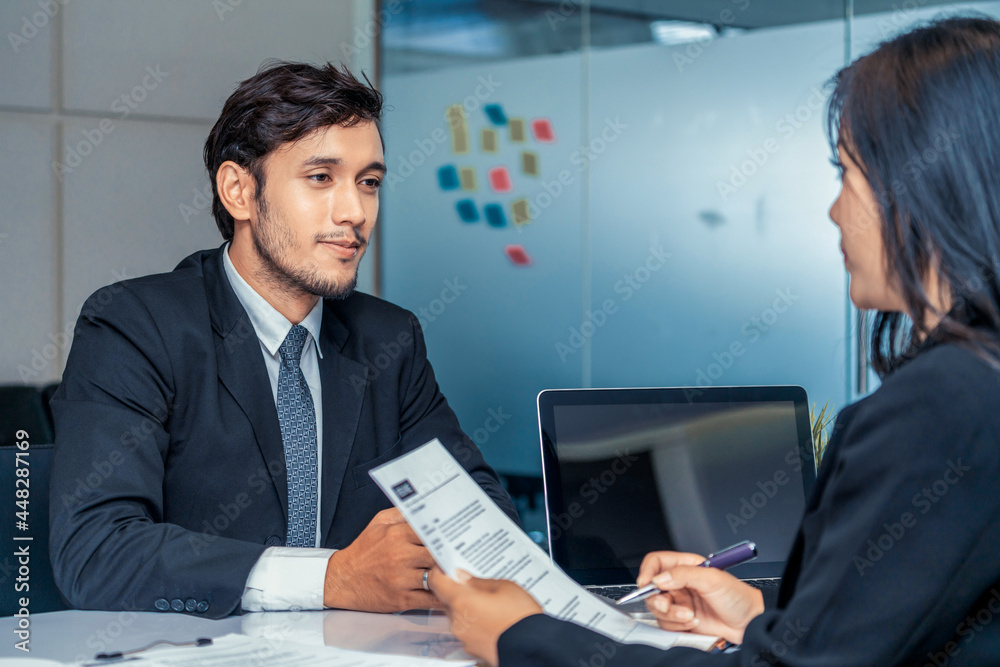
(319, 178)
(372, 182)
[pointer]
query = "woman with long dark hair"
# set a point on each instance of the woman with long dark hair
(897, 560)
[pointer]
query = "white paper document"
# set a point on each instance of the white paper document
(464, 529)
(242, 651)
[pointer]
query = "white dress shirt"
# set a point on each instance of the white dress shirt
(286, 577)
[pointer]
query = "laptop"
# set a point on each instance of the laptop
(630, 471)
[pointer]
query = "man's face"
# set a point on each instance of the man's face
(317, 209)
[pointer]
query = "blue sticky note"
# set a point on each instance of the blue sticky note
(494, 215)
(448, 177)
(467, 210)
(496, 114)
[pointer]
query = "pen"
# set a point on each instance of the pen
(727, 558)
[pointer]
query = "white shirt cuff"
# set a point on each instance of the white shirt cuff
(287, 578)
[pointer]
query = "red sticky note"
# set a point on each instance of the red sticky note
(500, 179)
(517, 255)
(542, 129)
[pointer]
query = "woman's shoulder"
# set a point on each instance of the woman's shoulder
(945, 372)
(947, 394)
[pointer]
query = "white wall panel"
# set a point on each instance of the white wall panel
(31, 346)
(204, 48)
(28, 28)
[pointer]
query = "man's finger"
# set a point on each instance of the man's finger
(389, 516)
(443, 586)
(658, 562)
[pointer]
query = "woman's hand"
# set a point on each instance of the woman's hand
(698, 599)
(480, 610)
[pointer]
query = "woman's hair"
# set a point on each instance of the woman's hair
(920, 115)
(282, 102)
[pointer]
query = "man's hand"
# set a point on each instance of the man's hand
(382, 570)
(480, 610)
(698, 599)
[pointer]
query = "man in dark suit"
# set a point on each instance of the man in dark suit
(215, 425)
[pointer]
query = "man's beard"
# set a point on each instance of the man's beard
(272, 240)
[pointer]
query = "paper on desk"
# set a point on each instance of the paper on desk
(243, 651)
(464, 529)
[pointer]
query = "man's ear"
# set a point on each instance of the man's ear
(236, 189)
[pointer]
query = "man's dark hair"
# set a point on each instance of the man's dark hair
(919, 117)
(282, 102)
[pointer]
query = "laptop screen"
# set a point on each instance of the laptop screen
(629, 471)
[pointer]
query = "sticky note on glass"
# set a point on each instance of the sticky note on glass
(542, 129)
(529, 163)
(496, 114)
(448, 177)
(467, 210)
(494, 215)
(517, 255)
(468, 177)
(489, 141)
(459, 130)
(521, 214)
(500, 179)
(516, 129)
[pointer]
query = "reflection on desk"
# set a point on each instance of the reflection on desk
(69, 636)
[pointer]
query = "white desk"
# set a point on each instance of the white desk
(68, 636)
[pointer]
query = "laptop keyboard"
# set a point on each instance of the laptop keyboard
(770, 586)
(612, 592)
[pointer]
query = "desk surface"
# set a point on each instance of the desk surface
(69, 636)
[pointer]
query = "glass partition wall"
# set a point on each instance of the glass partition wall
(619, 193)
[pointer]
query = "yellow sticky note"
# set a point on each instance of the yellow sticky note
(529, 163)
(489, 141)
(459, 130)
(521, 214)
(516, 129)
(467, 176)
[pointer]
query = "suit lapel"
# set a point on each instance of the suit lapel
(242, 371)
(344, 383)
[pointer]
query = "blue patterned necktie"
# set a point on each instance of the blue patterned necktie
(297, 418)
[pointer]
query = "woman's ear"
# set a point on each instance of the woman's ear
(236, 189)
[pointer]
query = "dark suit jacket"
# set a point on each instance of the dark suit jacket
(169, 479)
(897, 560)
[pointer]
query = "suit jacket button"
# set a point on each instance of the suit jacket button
(190, 605)
(177, 604)
(162, 604)
(202, 607)
(273, 541)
